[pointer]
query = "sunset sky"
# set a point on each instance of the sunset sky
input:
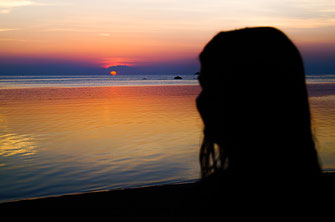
(76, 35)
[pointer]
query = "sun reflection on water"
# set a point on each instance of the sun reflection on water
(14, 144)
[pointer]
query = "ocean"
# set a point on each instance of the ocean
(36, 81)
(93, 80)
(73, 134)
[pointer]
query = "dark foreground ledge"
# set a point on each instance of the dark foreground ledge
(175, 196)
(161, 196)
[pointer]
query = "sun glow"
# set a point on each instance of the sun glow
(108, 62)
(113, 73)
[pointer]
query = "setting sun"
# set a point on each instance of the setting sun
(113, 73)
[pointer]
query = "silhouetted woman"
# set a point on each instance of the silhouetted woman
(254, 105)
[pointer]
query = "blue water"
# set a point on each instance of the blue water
(320, 78)
(37, 81)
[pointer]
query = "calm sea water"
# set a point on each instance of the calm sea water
(62, 134)
(118, 80)
(94, 80)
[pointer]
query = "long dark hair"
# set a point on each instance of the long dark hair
(254, 105)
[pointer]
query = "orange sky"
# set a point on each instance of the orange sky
(139, 32)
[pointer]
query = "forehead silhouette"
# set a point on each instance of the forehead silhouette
(257, 52)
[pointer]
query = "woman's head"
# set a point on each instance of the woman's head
(253, 92)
